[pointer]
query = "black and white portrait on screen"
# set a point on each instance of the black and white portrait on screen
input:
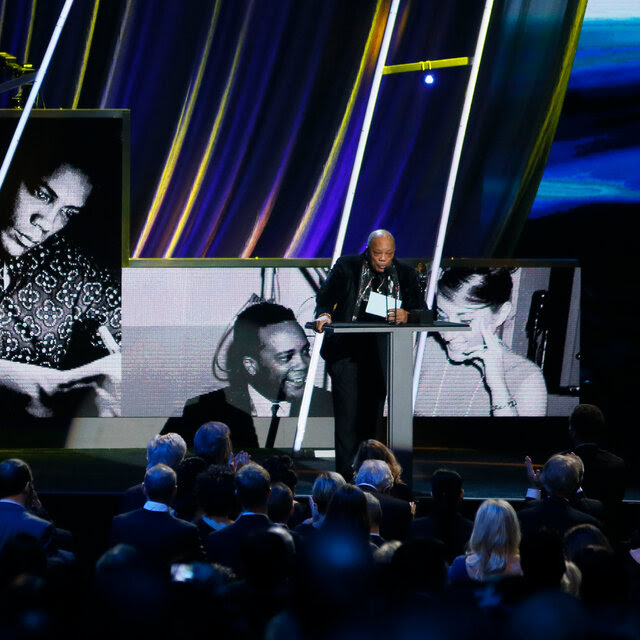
(60, 253)
(227, 347)
(520, 357)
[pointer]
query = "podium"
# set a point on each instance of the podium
(400, 378)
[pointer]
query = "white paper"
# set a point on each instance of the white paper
(380, 305)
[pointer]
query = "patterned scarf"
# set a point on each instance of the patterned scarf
(390, 285)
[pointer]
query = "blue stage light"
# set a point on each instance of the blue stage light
(429, 78)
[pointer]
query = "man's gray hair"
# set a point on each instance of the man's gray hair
(380, 233)
(169, 449)
(376, 473)
(561, 476)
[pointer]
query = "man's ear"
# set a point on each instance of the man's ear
(250, 365)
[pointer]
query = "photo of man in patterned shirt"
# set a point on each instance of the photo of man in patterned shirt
(59, 307)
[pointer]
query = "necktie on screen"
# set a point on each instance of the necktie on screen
(273, 427)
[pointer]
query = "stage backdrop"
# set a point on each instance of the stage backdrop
(246, 115)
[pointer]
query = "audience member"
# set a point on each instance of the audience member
(17, 499)
(169, 449)
(374, 476)
(581, 536)
(280, 505)
(375, 450)
(375, 517)
(493, 547)
(216, 497)
(560, 479)
(153, 530)
(253, 487)
(445, 522)
(419, 569)
(542, 560)
(604, 472)
(185, 503)
(280, 468)
(347, 511)
(323, 488)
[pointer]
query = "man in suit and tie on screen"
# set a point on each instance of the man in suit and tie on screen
(266, 365)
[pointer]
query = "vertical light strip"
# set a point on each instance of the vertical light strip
(337, 142)
(85, 57)
(346, 212)
(178, 138)
(213, 137)
(451, 183)
(32, 19)
(44, 65)
(116, 54)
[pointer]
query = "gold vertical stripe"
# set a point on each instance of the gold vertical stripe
(178, 138)
(213, 138)
(32, 19)
(375, 35)
(3, 6)
(510, 228)
(87, 51)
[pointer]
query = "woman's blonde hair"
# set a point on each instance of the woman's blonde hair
(495, 538)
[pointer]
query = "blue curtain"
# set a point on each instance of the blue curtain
(245, 116)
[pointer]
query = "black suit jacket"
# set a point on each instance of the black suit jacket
(452, 528)
(232, 406)
(15, 519)
(396, 515)
(339, 293)
(552, 513)
(605, 475)
(157, 535)
(226, 546)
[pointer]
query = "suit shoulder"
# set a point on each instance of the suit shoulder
(212, 397)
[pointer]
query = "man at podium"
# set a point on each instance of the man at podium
(371, 287)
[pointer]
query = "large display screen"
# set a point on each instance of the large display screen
(61, 211)
(193, 337)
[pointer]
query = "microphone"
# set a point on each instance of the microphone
(388, 272)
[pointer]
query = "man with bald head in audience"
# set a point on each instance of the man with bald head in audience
(153, 530)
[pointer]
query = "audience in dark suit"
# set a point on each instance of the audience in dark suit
(374, 510)
(17, 497)
(169, 449)
(605, 474)
(253, 487)
(153, 530)
(560, 479)
(341, 580)
(216, 498)
(445, 521)
(374, 476)
(323, 488)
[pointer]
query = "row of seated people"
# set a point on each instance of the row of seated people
(252, 564)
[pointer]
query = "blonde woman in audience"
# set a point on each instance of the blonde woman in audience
(493, 550)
